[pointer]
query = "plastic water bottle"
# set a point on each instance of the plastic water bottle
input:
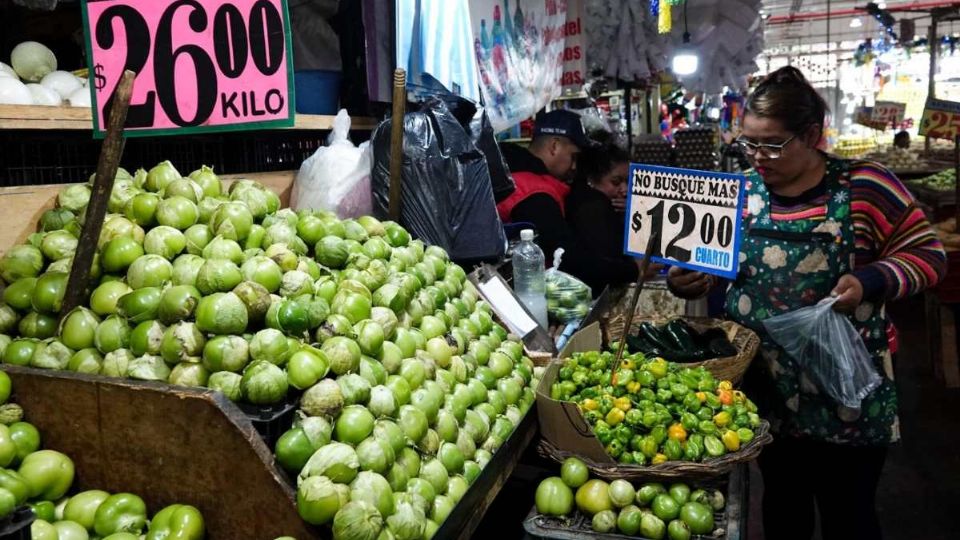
(528, 277)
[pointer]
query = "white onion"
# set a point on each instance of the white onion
(43, 95)
(79, 98)
(32, 60)
(61, 82)
(7, 71)
(14, 92)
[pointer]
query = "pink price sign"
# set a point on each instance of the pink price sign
(201, 65)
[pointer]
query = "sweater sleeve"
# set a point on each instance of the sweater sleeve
(897, 252)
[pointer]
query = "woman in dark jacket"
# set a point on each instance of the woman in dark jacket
(595, 211)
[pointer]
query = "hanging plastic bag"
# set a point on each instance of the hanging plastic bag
(568, 298)
(829, 350)
(337, 176)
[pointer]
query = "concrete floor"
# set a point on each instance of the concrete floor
(919, 494)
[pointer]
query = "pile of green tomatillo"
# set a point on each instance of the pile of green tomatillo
(407, 381)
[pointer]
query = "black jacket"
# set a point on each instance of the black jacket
(600, 229)
(595, 267)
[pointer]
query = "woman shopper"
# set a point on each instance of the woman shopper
(878, 247)
(595, 211)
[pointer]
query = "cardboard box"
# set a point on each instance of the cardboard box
(561, 422)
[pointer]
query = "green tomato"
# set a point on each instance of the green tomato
(177, 521)
(574, 472)
(652, 527)
(628, 522)
(593, 497)
(678, 530)
(122, 512)
(69, 530)
(82, 507)
(48, 473)
(15, 484)
(665, 507)
(44, 510)
(26, 437)
(293, 450)
(698, 517)
(554, 497)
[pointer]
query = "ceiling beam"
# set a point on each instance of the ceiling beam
(818, 15)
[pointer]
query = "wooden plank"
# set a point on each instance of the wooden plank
(467, 514)
(79, 118)
(168, 445)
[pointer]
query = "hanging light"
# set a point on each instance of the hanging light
(686, 60)
(856, 22)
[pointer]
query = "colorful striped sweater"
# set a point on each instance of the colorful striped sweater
(897, 252)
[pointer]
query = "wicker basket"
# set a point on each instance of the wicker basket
(730, 368)
(669, 471)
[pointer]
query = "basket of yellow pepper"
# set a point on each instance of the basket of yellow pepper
(651, 420)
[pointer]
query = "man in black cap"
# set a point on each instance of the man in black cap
(542, 174)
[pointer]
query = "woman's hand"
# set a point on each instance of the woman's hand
(652, 270)
(687, 283)
(619, 204)
(849, 294)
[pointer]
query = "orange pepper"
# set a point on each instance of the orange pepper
(677, 432)
(726, 396)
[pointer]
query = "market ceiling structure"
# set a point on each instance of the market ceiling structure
(789, 23)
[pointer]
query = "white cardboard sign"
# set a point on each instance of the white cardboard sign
(697, 214)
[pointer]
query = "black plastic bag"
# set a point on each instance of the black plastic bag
(447, 193)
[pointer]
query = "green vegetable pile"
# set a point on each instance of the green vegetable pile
(42, 479)
(656, 411)
(408, 384)
(651, 510)
(945, 180)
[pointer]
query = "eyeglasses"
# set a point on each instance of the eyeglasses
(769, 151)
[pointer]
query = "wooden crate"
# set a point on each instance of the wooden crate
(167, 444)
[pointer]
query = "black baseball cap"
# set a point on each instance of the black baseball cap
(561, 123)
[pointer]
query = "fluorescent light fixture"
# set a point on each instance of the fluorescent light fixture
(856, 22)
(686, 61)
(882, 5)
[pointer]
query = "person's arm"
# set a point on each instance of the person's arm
(554, 232)
(907, 257)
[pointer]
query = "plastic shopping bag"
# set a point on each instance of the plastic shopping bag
(568, 298)
(337, 176)
(829, 350)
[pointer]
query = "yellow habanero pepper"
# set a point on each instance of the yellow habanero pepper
(614, 417)
(721, 419)
(622, 403)
(739, 396)
(731, 440)
(633, 387)
(677, 432)
(628, 363)
(702, 396)
(590, 404)
(725, 385)
(658, 459)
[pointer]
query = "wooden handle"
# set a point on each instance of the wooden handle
(641, 281)
(396, 142)
(109, 161)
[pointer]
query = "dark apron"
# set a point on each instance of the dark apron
(787, 265)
